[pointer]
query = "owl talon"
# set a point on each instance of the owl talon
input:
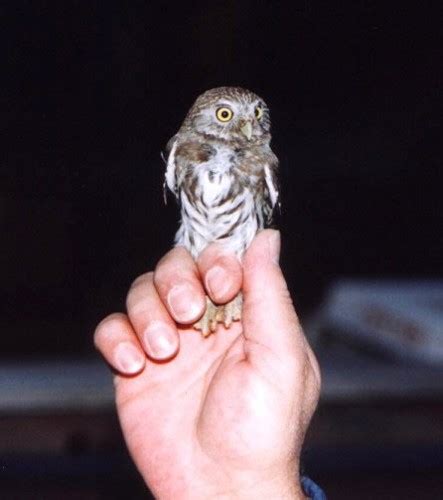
(234, 309)
(224, 314)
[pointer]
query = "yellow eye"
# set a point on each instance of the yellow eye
(258, 112)
(224, 114)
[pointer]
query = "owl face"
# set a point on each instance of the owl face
(230, 113)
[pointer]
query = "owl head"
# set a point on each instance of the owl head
(230, 114)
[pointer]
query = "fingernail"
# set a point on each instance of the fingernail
(128, 358)
(274, 246)
(160, 341)
(183, 303)
(217, 282)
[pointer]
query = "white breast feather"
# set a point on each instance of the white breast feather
(203, 223)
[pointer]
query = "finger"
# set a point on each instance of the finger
(269, 317)
(178, 284)
(221, 272)
(152, 323)
(115, 338)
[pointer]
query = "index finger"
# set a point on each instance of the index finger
(152, 324)
(179, 286)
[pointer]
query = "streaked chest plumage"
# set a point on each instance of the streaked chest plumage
(222, 198)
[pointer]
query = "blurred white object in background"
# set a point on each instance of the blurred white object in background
(404, 318)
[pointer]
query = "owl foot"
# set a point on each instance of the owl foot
(215, 314)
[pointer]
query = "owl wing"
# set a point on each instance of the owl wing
(183, 157)
(171, 167)
(271, 191)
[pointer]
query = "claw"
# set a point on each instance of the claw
(224, 314)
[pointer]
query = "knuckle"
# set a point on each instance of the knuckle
(209, 254)
(174, 258)
(135, 292)
(161, 273)
(167, 267)
(173, 272)
(315, 370)
(227, 262)
(215, 253)
(105, 328)
(141, 280)
(107, 321)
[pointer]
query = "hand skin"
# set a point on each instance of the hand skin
(218, 417)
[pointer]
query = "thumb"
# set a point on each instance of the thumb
(269, 318)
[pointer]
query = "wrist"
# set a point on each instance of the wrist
(287, 490)
(251, 487)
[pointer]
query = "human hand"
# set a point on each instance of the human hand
(217, 417)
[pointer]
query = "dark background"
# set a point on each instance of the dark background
(92, 91)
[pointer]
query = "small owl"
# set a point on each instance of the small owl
(222, 171)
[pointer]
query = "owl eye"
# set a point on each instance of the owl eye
(258, 112)
(224, 114)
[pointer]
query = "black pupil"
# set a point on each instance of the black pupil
(225, 114)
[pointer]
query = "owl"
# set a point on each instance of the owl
(222, 171)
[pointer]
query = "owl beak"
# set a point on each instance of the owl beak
(246, 130)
